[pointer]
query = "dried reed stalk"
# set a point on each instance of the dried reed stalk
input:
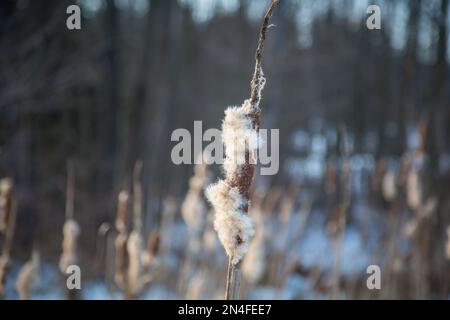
(341, 211)
(103, 233)
(27, 276)
(9, 212)
(5, 203)
(135, 242)
(120, 243)
(71, 230)
(230, 197)
(194, 211)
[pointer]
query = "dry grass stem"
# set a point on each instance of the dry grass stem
(230, 196)
(28, 275)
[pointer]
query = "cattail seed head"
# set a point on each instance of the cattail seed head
(6, 186)
(71, 232)
(389, 186)
(233, 225)
(122, 209)
(28, 276)
(120, 259)
(134, 249)
(193, 208)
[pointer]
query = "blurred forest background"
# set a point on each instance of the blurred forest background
(111, 93)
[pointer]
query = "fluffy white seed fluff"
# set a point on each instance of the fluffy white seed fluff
(234, 227)
(238, 137)
(71, 231)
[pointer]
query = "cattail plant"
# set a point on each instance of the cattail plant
(120, 243)
(5, 203)
(193, 211)
(28, 276)
(134, 265)
(150, 255)
(423, 202)
(416, 197)
(193, 208)
(71, 230)
(134, 249)
(338, 225)
(230, 196)
(135, 242)
(9, 212)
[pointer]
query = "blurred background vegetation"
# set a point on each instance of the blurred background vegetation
(112, 93)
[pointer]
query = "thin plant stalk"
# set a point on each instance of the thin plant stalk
(11, 207)
(235, 189)
(71, 230)
(342, 212)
